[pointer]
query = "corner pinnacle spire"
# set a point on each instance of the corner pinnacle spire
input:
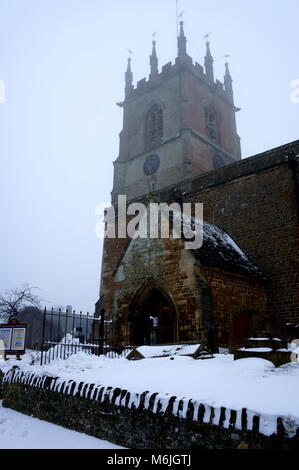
(182, 41)
(228, 82)
(209, 63)
(129, 78)
(154, 61)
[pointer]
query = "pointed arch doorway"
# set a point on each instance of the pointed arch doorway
(152, 319)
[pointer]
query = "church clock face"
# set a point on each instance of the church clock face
(151, 164)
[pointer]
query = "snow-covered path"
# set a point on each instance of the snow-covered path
(18, 431)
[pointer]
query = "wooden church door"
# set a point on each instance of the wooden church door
(161, 323)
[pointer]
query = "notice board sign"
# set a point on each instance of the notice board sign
(14, 336)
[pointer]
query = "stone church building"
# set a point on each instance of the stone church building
(179, 143)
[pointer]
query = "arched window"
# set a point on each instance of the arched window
(212, 130)
(154, 125)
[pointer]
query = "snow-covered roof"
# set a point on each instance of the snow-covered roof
(218, 248)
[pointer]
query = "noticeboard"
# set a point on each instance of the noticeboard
(13, 336)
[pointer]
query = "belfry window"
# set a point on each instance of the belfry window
(154, 125)
(211, 125)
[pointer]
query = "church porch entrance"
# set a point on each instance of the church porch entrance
(154, 320)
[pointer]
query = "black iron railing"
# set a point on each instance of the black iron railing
(67, 333)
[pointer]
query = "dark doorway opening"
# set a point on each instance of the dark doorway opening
(154, 320)
(244, 324)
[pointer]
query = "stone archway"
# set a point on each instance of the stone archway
(152, 317)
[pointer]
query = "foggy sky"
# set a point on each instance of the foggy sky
(63, 64)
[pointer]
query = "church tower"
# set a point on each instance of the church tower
(176, 125)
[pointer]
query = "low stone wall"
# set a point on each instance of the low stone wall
(148, 420)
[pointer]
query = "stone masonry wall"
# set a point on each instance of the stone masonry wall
(259, 213)
(232, 292)
(176, 271)
(148, 420)
(254, 201)
(159, 261)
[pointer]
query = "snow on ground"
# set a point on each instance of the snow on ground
(251, 383)
(18, 431)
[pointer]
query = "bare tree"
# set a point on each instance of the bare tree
(15, 300)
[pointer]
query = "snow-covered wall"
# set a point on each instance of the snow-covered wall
(143, 420)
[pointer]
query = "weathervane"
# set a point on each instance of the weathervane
(206, 36)
(178, 16)
(226, 56)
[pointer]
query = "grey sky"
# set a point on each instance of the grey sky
(63, 64)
